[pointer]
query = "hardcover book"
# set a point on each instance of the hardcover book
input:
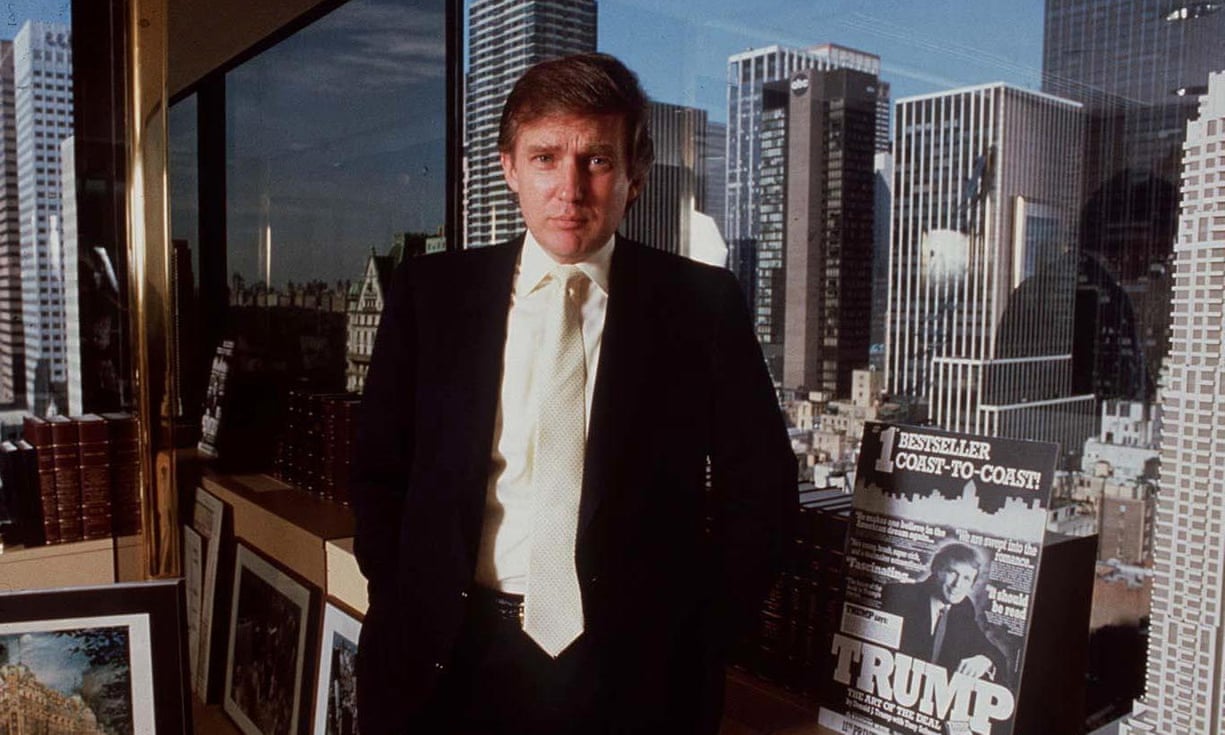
(37, 432)
(95, 472)
(65, 453)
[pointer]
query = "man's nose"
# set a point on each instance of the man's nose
(573, 182)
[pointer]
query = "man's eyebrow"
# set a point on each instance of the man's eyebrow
(542, 147)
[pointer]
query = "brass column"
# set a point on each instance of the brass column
(149, 276)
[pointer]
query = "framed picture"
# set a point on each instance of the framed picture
(266, 654)
(336, 693)
(98, 659)
(208, 523)
(193, 576)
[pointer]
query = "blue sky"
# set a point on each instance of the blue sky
(680, 49)
(15, 12)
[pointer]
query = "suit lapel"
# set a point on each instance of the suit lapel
(482, 324)
(623, 359)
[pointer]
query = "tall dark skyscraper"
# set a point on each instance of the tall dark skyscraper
(753, 232)
(676, 183)
(819, 140)
(505, 37)
(1138, 66)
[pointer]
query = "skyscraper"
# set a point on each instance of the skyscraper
(983, 263)
(12, 340)
(714, 168)
(42, 60)
(1185, 690)
(505, 37)
(676, 182)
(1137, 66)
(64, 227)
(826, 149)
(754, 239)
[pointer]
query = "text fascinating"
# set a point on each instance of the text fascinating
(921, 687)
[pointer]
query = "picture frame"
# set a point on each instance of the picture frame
(335, 690)
(209, 521)
(193, 576)
(266, 652)
(112, 656)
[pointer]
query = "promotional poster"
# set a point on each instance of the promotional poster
(942, 561)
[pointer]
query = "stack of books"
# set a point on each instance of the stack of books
(799, 616)
(315, 450)
(72, 478)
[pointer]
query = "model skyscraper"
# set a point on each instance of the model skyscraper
(1185, 689)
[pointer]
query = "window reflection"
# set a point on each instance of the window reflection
(1024, 201)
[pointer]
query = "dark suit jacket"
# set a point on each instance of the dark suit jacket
(963, 638)
(681, 378)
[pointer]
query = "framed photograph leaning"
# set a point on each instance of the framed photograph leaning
(210, 526)
(336, 693)
(98, 659)
(266, 661)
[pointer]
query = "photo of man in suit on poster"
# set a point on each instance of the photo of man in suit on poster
(940, 620)
(572, 481)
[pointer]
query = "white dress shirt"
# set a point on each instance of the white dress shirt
(506, 535)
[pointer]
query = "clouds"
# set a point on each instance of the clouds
(368, 46)
(52, 659)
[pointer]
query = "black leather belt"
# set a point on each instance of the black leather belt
(503, 605)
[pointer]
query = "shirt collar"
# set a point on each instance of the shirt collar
(535, 263)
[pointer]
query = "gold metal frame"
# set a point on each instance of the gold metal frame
(150, 296)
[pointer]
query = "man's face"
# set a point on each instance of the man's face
(572, 177)
(954, 582)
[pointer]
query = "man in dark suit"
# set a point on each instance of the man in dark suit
(940, 622)
(539, 424)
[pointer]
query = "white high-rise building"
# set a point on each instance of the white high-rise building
(43, 68)
(505, 37)
(982, 271)
(1185, 690)
(70, 246)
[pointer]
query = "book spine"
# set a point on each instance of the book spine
(343, 438)
(125, 473)
(95, 473)
(66, 456)
(33, 532)
(37, 432)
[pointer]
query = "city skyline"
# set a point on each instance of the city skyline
(682, 60)
(930, 47)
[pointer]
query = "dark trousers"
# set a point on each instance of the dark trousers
(500, 682)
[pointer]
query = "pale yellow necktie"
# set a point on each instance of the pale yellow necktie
(553, 605)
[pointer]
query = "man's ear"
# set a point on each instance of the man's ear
(508, 170)
(634, 190)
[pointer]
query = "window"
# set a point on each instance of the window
(1088, 181)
